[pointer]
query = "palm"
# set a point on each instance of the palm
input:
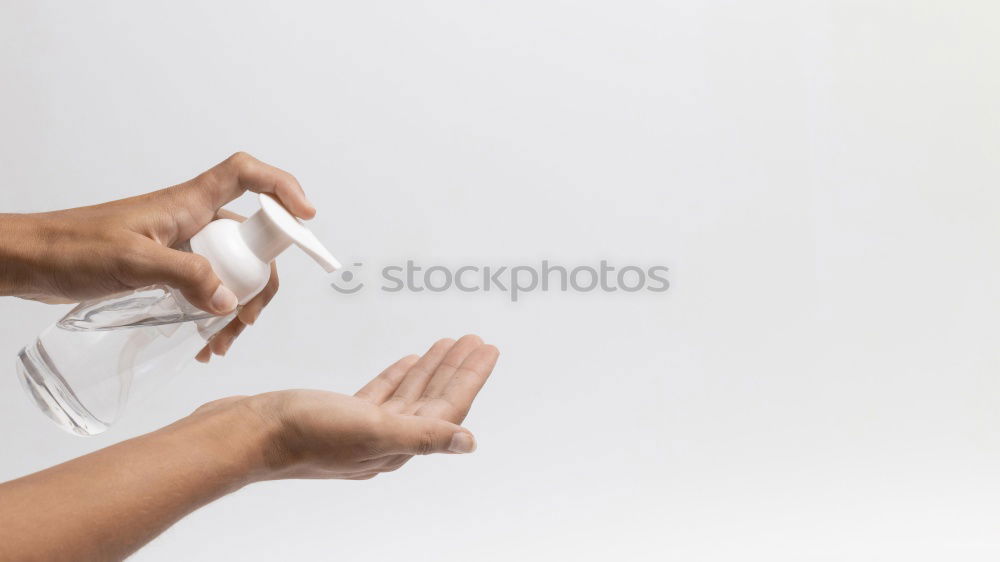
(396, 415)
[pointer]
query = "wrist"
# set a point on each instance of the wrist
(241, 434)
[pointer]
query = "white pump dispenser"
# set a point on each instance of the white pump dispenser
(82, 370)
(241, 253)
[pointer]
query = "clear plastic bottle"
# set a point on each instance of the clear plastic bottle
(82, 370)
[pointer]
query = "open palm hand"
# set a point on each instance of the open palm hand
(412, 408)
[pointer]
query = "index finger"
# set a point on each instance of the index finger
(240, 173)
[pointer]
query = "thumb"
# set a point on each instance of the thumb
(187, 272)
(418, 435)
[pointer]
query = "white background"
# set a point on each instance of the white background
(820, 382)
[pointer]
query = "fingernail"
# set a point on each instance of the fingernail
(224, 300)
(462, 443)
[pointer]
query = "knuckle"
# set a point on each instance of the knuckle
(240, 159)
(272, 288)
(198, 267)
(220, 343)
(292, 179)
(425, 443)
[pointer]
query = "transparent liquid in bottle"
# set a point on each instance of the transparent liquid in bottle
(82, 370)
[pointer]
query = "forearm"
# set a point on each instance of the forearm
(108, 504)
(19, 240)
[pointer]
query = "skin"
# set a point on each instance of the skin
(106, 505)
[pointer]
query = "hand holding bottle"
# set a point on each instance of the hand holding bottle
(90, 252)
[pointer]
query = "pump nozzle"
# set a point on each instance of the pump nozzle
(269, 231)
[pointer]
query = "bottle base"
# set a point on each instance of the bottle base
(42, 381)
